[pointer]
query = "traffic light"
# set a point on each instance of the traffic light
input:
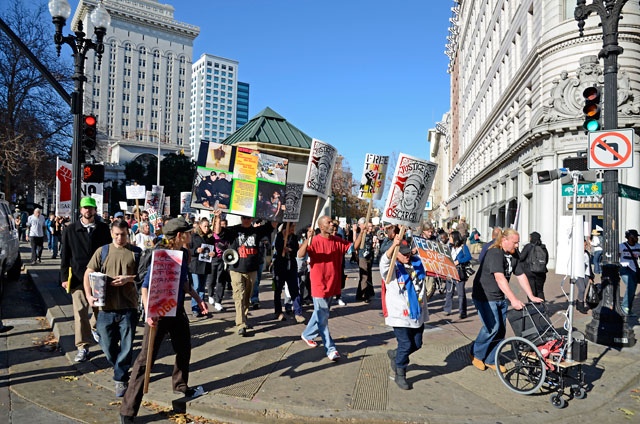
(545, 177)
(89, 132)
(591, 109)
(93, 173)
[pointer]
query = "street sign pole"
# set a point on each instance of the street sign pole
(609, 324)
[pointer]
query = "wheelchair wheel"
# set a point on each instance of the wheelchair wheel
(520, 366)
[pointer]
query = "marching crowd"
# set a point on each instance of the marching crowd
(308, 265)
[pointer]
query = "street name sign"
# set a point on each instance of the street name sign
(611, 149)
(629, 192)
(588, 189)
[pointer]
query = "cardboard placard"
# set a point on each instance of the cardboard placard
(292, 202)
(436, 258)
(123, 206)
(322, 159)
(135, 192)
(374, 175)
(206, 249)
(153, 198)
(185, 202)
(164, 282)
(409, 191)
(240, 181)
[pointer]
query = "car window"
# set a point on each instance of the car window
(12, 223)
(4, 217)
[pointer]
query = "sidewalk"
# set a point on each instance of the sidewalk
(274, 375)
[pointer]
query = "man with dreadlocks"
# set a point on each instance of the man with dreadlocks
(405, 305)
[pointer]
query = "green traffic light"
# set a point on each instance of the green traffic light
(593, 126)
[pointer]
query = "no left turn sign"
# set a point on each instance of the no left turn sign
(611, 149)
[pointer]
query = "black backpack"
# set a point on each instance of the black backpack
(538, 259)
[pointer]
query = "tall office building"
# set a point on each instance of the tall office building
(214, 91)
(242, 108)
(139, 92)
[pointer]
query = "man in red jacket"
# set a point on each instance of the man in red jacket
(326, 253)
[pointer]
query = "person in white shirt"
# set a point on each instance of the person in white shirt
(144, 239)
(582, 282)
(35, 235)
(596, 250)
(629, 252)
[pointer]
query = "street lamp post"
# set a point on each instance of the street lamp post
(609, 325)
(80, 44)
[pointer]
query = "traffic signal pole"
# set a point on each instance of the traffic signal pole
(78, 124)
(609, 324)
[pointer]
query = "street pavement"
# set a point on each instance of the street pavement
(272, 375)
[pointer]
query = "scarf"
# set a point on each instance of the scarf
(405, 281)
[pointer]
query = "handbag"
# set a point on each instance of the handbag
(465, 270)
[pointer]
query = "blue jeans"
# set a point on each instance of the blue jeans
(199, 284)
(256, 285)
(118, 327)
(409, 340)
(493, 315)
(319, 323)
(630, 279)
(54, 242)
(596, 262)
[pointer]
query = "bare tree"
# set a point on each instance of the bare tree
(35, 123)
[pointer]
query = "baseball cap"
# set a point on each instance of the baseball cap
(118, 215)
(88, 202)
(175, 226)
(405, 247)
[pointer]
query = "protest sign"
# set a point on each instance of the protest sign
(94, 190)
(322, 159)
(436, 258)
(63, 188)
(185, 202)
(374, 175)
(153, 198)
(123, 206)
(570, 251)
(409, 191)
(167, 206)
(206, 249)
(292, 202)
(154, 218)
(240, 181)
(135, 192)
(164, 281)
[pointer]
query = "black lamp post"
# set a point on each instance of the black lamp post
(80, 44)
(609, 325)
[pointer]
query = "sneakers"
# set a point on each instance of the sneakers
(255, 306)
(121, 388)
(280, 317)
(333, 355)
(82, 355)
(217, 306)
(211, 301)
(493, 367)
(341, 302)
(309, 343)
(299, 319)
(242, 332)
(478, 363)
(96, 336)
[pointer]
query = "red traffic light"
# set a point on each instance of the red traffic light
(90, 120)
(591, 94)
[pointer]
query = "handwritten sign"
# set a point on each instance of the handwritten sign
(135, 192)
(436, 258)
(164, 282)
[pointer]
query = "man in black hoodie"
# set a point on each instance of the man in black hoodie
(534, 258)
(79, 242)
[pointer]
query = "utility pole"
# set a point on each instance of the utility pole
(609, 325)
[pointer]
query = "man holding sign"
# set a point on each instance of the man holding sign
(163, 292)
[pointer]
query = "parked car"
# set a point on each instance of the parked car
(10, 262)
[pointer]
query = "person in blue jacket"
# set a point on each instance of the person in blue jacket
(461, 256)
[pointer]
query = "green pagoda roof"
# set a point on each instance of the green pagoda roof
(271, 128)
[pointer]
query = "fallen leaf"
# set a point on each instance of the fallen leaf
(627, 411)
(636, 390)
(117, 402)
(69, 378)
(90, 404)
(636, 397)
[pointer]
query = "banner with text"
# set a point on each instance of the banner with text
(436, 258)
(374, 175)
(164, 283)
(63, 188)
(322, 159)
(240, 181)
(409, 191)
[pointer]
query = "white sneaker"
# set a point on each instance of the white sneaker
(82, 355)
(96, 336)
(211, 301)
(341, 302)
(218, 307)
(334, 355)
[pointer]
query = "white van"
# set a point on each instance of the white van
(10, 262)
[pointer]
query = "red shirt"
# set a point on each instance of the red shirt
(326, 256)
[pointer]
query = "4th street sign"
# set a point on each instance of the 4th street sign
(588, 189)
(629, 192)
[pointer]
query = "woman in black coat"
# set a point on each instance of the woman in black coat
(200, 269)
(534, 258)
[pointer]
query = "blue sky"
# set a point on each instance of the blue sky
(363, 75)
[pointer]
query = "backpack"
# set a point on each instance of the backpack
(538, 259)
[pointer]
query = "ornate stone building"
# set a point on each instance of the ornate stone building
(518, 69)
